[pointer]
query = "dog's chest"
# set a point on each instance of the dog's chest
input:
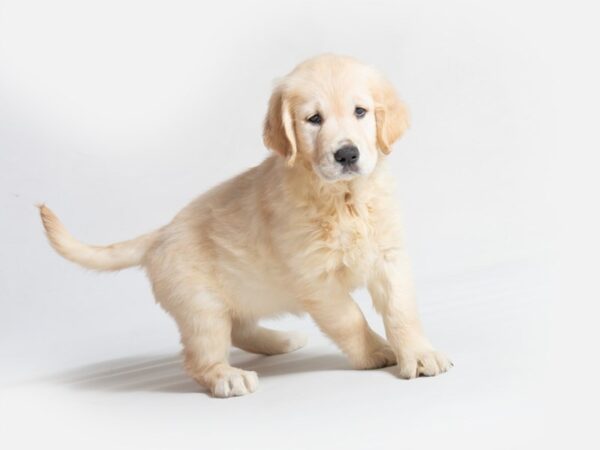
(341, 244)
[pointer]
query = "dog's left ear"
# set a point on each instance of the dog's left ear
(278, 132)
(391, 115)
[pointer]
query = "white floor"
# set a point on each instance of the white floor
(128, 390)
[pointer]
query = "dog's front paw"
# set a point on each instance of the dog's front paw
(421, 360)
(382, 357)
(377, 355)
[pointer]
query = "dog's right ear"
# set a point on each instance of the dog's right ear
(278, 133)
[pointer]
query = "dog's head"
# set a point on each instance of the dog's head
(335, 114)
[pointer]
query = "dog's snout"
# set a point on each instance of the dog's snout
(347, 155)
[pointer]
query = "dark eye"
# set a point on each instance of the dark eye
(315, 119)
(360, 112)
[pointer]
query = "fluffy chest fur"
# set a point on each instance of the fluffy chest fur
(335, 238)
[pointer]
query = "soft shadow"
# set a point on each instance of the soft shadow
(164, 373)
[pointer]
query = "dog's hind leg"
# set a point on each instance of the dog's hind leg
(253, 338)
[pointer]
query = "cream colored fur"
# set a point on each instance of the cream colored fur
(294, 234)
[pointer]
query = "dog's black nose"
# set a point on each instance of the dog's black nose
(347, 155)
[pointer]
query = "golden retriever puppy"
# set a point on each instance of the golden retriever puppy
(297, 233)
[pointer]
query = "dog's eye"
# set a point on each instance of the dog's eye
(315, 119)
(360, 112)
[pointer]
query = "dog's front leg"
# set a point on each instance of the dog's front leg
(392, 291)
(341, 319)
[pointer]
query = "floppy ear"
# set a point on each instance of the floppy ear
(391, 115)
(278, 132)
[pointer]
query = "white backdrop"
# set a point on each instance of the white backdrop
(117, 113)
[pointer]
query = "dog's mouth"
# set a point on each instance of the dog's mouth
(346, 173)
(351, 169)
(332, 173)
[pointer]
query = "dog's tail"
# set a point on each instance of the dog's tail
(111, 257)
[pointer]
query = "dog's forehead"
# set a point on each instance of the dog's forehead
(329, 87)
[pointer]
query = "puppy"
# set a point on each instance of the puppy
(297, 233)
